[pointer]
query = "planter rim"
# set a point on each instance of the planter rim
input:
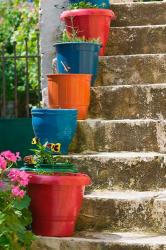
(53, 111)
(67, 75)
(67, 179)
(88, 12)
(76, 43)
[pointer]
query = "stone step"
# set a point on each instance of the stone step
(142, 13)
(124, 170)
(103, 241)
(128, 102)
(137, 40)
(133, 69)
(120, 135)
(123, 211)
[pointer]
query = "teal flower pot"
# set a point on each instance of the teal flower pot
(55, 126)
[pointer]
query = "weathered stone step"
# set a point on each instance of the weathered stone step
(143, 13)
(120, 135)
(137, 40)
(133, 69)
(128, 102)
(103, 241)
(123, 211)
(124, 170)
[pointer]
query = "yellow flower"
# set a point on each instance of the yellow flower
(35, 141)
(56, 147)
(29, 159)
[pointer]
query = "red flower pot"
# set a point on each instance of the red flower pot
(55, 202)
(89, 23)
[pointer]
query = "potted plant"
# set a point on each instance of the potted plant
(55, 125)
(77, 55)
(56, 196)
(46, 158)
(103, 4)
(14, 202)
(70, 91)
(91, 23)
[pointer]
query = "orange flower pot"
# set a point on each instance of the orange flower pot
(70, 91)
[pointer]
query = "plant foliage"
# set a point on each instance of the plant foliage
(14, 202)
(73, 37)
(82, 5)
(43, 153)
(18, 22)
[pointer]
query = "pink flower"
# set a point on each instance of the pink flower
(14, 174)
(17, 192)
(1, 184)
(19, 176)
(22, 193)
(3, 163)
(23, 178)
(18, 155)
(8, 155)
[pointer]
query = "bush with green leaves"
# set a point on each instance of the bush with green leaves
(14, 214)
(19, 21)
(14, 218)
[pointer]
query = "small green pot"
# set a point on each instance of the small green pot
(63, 167)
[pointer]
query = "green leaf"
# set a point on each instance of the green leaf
(2, 217)
(4, 242)
(22, 203)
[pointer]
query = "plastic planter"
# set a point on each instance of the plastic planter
(70, 91)
(64, 167)
(55, 126)
(104, 4)
(56, 202)
(77, 58)
(89, 23)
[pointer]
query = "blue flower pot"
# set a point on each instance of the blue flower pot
(55, 126)
(77, 58)
(103, 4)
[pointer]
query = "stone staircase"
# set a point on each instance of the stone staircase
(122, 145)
